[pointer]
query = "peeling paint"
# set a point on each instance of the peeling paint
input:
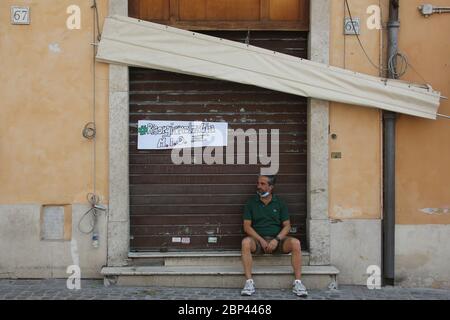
(363, 258)
(436, 211)
(347, 212)
(415, 260)
(54, 47)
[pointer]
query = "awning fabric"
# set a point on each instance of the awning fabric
(145, 44)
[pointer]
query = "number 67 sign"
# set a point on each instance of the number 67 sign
(20, 15)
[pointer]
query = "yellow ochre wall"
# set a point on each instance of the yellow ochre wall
(46, 99)
(355, 179)
(423, 146)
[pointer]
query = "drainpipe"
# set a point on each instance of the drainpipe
(389, 121)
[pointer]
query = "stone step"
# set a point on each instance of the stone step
(229, 258)
(273, 277)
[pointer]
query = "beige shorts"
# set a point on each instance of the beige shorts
(278, 249)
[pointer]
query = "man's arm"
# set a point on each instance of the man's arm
(284, 215)
(286, 229)
(248, 229)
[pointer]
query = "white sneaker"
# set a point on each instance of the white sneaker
(249, 288)
(299, 289)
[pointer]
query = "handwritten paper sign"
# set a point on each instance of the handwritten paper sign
(157, 135)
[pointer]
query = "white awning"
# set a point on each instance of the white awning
(145, 44)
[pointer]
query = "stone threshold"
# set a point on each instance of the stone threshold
(198, 254)
(213, 270)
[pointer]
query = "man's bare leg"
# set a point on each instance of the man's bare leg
(248, 246)
(293, 245)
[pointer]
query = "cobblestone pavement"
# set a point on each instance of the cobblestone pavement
(55, 289)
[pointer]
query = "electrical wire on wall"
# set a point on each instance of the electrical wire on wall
(94, 201)
(398, 63)
(90, 133)
(392, 67)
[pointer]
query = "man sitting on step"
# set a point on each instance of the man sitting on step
(267, 224)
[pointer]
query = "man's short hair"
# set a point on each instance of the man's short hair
(272, 179)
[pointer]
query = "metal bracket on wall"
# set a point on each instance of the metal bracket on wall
(428, 9)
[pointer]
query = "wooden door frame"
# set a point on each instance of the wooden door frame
(318, 223)
(265, 23)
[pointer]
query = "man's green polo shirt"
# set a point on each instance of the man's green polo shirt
(266, 220)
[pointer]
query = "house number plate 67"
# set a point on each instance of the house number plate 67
(20, 15)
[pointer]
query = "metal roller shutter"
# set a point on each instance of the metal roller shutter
(196, 202)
